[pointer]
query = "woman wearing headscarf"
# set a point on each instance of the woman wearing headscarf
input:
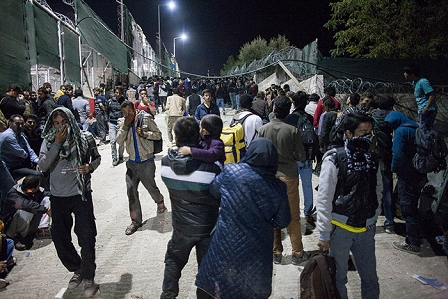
(238, 263)
(71, 156)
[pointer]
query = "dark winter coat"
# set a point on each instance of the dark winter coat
(238, 263)
(403, 148)
(194, 208)
(19, 200)
(114, 109)
(327, 124)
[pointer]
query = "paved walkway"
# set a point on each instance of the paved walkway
(132, 267)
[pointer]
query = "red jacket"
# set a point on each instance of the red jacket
(320, 109)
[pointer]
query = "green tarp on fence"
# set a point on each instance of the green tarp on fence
(14, 58)
(99, 37)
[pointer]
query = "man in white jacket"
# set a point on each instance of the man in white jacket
(348, 205)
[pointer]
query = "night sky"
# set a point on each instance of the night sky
(218, 29)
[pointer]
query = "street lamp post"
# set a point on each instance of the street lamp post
(183, 36)
(171, 5)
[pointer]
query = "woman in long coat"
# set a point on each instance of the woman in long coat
(238, 262)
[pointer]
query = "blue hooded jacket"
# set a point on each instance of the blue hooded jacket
(403, 148)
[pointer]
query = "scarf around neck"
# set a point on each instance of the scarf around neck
(73, 149)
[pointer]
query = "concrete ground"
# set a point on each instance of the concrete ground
(132, 267)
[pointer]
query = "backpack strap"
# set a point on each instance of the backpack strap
(241, 120)
(341, 161)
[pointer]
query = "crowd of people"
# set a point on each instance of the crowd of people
(50, 141)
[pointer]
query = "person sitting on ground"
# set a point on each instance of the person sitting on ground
(7, 261)
(195, 210)
(253, 202)
(212, 149)
(31, 132)
(15, 151)
(23, 209)
(10, 105)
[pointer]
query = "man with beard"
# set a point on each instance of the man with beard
(348, 205)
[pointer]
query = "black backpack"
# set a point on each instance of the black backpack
(306, 129)
(317, 280)
(431, 151)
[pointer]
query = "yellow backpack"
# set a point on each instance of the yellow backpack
(233, 138)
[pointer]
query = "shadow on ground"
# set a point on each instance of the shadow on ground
(161, 223)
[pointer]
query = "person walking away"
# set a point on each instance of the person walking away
(289, 145)
(253, 202)
(82, 106)
(195, 209)
(193, 101)
(175, 106)
(302, 120)
(409, 181)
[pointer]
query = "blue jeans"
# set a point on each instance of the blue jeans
(113, 143)
(428, 118)
(232, 97)
(237, 101)
(362, 246)
(220, 102)
(387, 196)
(305, 171)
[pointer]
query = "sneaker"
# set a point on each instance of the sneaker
(90, 288)
(297, 260)
(439, 240)
(389, 229)
(120, 160)
(114, 162)
(3, 283)
(75, 280)
(406, 247)
(311, 221)
(277, 258)
(20, 247)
